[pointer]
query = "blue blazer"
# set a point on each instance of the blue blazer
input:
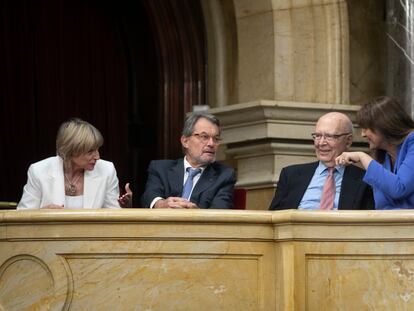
(214, 189)
(394, 189)
(295, 179)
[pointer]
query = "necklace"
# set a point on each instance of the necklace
(71, 185)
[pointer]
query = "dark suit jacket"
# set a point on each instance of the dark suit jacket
(214, 189)
(295, 179)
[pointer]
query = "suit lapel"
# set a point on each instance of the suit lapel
(56, 182)
(208, 177)
(302, 181)
(176, 178)
(92, 182)
(350, 184)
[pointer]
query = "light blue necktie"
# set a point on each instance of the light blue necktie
(189, 182)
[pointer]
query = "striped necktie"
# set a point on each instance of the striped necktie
(329, 190)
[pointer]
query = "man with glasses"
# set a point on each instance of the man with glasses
(195, 181)
(321, 184)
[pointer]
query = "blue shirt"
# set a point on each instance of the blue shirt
(312, 197)
(394, 189)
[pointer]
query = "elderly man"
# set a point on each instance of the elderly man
(321, 184)
(195, 181)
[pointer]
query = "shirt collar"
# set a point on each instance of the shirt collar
(186, 165)
(322, 167)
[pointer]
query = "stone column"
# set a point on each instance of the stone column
(400, 32)
(293, 50)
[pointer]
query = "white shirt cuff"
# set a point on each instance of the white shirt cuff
(155, 201)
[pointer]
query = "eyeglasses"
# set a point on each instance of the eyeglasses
(206, 138)
(328, 137)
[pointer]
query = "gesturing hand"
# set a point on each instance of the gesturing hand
(347, 158)
(125, 200)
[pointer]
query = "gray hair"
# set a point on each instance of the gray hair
(192, 119)
(76, 137)
(350, 127)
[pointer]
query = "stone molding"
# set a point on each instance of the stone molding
(142, 259)
(262, 137)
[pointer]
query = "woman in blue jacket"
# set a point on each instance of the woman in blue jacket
(390, 171)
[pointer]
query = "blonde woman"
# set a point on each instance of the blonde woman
(76, 178)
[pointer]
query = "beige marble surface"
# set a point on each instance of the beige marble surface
(322, 51)
(368, 50)
(206, 260)
(293, 50)
(135, 260)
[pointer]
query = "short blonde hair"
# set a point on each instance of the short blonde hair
(76, 137)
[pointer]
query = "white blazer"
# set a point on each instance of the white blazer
(45, 185)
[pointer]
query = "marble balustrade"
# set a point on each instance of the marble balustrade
(136, 259)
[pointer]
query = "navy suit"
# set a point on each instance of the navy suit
(295, 179)
(214, 189)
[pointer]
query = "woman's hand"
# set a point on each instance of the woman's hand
(125, 200)
(347, 158)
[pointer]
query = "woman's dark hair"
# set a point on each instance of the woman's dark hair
(384, 115)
